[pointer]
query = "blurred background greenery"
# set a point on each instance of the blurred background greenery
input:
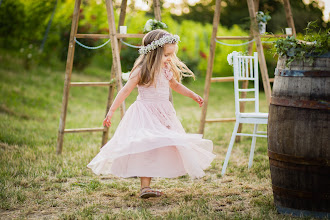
(36, 183)
(23, 27)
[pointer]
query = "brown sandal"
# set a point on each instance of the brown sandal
(147, 192)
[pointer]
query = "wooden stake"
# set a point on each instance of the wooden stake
(112, 88)
(216, 19)
(220, 120)
(122, 15)
(81, 84)
(223, 79)
(68, 72)
(115, 50)
(261, 55)
(106, 36)
(157, 11)
(76, 130)
(130, 35)
(109, 102)
(256, 5)
(289, 17)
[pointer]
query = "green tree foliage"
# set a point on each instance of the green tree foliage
(23, 22)
(193, 48)
(18, 32)
(11, 25)
(236, 12)
(302, 15)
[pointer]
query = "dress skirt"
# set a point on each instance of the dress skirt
(151, 142)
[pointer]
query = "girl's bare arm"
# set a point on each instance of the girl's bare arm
(122, 95)
(179, 88)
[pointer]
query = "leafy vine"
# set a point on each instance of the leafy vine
(315, 43)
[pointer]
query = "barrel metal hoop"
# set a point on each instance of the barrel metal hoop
(320, 104)
(300, 168)
(289, 193)
(298, 160)
(306, 73)
(302, 213)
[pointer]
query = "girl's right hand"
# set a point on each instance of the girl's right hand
(107, 121)
(198, 99)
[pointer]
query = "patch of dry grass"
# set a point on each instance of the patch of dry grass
(51, 187)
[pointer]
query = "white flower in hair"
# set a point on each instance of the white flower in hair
(166, 39)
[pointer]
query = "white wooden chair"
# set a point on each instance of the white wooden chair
(246, 68)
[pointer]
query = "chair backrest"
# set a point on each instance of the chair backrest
(246, 68)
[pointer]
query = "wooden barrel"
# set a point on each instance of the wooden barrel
(298, 137)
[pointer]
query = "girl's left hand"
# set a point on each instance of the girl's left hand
(107, 120)
(199, 100)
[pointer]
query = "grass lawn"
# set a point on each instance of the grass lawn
(35, 183)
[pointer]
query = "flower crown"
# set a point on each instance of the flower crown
(166, 39)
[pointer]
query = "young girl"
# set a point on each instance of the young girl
(150, 140)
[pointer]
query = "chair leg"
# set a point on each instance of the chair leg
(232, 140)
(253, 145)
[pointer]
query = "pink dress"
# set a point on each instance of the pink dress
(151, 142)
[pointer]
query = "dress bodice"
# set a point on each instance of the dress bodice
(159, 90)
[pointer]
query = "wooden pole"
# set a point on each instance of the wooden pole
(109, 102)
(248, 37)
(223, 79)
(112, 88)
(115, 49)
(216, 19)
(220, 120)
(106, 36)
(122, 15)
(157, 11)
(256, 5)
(261, 55)
(246, 82)
(96, 84)
(289, 17)
(76, 130)
(68, 72)
(250, 47)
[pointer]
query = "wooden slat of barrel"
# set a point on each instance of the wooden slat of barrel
(298, 137)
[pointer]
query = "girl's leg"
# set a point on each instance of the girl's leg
(146, 191)
(145, 182)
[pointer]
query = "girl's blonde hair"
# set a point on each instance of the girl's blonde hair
(150, 63)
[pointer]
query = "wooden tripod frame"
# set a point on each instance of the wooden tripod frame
(253, 7)
(115, 70)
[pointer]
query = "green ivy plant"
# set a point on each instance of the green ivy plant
(315, 43)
